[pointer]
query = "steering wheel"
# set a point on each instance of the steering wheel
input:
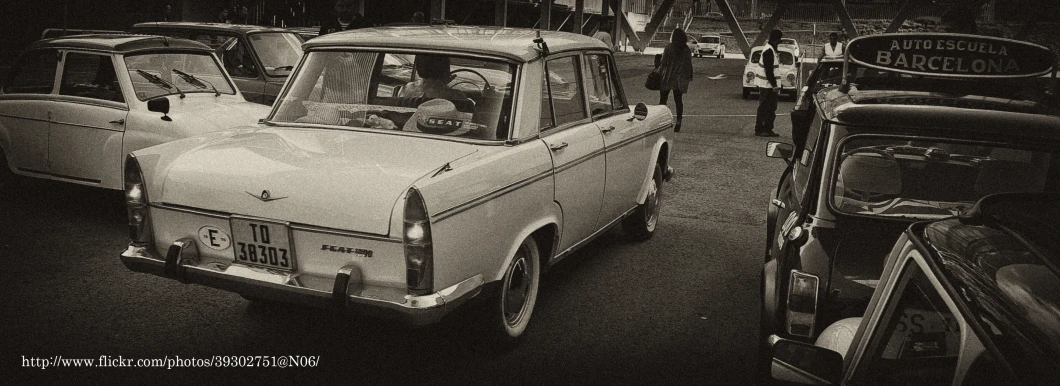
(879, 199)
(486, 82)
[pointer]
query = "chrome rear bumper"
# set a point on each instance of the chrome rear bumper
(347, 292)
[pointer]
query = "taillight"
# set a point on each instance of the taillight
(136, 202)
(802, 303)
(419, 253)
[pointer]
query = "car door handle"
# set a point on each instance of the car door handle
(119, 121)
(557, 146)
(608, 129)
(778, 203)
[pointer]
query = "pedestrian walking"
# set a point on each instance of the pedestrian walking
(768, 86)
(675, 71)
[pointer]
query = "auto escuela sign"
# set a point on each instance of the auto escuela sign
(951, 55)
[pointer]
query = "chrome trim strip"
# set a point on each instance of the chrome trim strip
(628, 141)
(63, 176)
(86, 126)
(344, 233)
(579, 160)
(28, 119)
(290, 225)
(590, 238)
(444, 214)
(88, 101)
(181, 208)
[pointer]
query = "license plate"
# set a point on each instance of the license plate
(262, 243)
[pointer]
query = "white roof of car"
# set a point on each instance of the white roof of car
(514, 43)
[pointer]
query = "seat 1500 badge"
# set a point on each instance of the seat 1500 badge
(355, 251)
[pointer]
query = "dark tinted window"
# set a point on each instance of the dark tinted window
(90, 76)
(34, 73)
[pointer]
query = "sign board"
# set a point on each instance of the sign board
(951, 55)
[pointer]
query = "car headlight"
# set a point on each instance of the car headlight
(791, 78)
(750, 77)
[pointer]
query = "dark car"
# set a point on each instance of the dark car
(970, 300)
(259, 59)
(890, 148)
(826, 74)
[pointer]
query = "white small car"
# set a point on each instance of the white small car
(793, 45)
(787, 74)
(710, 45)
(74, 107)
(406, 170)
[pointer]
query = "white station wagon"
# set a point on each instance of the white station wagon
(72, 108)
(405, 170)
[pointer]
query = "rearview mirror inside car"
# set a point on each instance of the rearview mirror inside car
(779, 150)
(805, 364)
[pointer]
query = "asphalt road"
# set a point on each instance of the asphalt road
(681, 308)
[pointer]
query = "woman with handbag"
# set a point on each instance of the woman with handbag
(675, 71)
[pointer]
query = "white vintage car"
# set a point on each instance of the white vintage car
(405, 170)
(787, 73)
(72, 108)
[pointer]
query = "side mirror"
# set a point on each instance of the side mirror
(779, 150)
(640, 112)
(160, 105)
(804, 364)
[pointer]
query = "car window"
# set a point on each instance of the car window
(155, 74)
(918, 340)
(236, 58)
(801, 170)
(756, 56)
(568, 102)
(279, 52)
(710, 39)
(603, 95)
(928, 178)
(34, 73)
(422, 93)
(786, 58)
(90, 76)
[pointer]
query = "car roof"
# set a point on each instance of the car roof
(241, 28)
(513, 43)
(120, 43)
(930, 111)
(1004, 263)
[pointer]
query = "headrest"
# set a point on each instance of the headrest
(871, 172)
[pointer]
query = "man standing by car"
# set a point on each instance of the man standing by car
(345, 18)
(833, 49)
(768, 87)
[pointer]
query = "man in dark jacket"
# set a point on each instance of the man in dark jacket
(346, 18)
(768, 87)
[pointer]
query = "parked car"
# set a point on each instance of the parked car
(405, 170)
(793, 45)
(971, 300)
(258, 58)
(73, 107)
(887, 149)
(710, 45)
(787, 74)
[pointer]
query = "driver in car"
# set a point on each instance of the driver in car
(434, 78)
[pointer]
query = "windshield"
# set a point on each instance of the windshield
(279, 51)
(710, 39)
(786, 58)
(159, 73)
(420, 93)
(930, 179)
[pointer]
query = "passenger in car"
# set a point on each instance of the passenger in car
(433, 82)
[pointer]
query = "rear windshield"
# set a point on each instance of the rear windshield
(786, 58)
(934, 178)
(710, 39)
(420, 93)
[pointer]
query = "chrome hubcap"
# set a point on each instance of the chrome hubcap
(651, 205)
(516, 288)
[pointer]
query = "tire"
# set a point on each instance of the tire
(640, 225)
(746, 93)
(508, 312)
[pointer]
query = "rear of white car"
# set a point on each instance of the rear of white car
(787, 73)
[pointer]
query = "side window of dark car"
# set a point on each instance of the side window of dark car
(34, 73)
(236, 56)
(918, 340)
(801, 171)
(565, 91)
(90, 76)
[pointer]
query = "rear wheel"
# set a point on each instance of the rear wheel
(641, 224)
(508, 312)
